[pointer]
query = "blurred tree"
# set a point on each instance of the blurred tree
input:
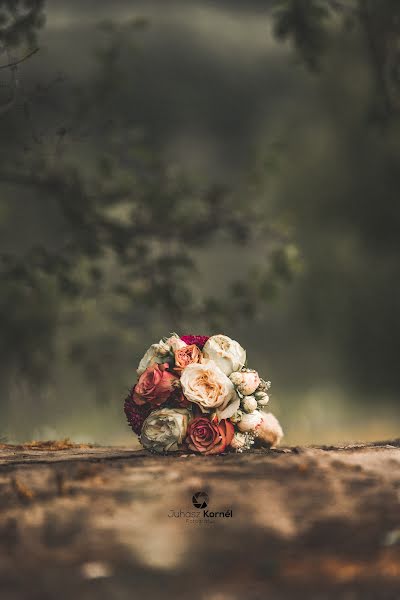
(20, 21)
(309, 24)
(124, 245)
(303, 22)
(352, 189)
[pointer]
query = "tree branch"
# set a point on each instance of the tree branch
(14, 64)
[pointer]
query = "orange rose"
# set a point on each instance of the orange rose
(155, 385)
(186, 356)
(209, 437)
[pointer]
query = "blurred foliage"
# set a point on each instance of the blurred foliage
(303, 21)
(310, 26)
(350, 192)
(20, 21)
(103, 242)
(119, 233)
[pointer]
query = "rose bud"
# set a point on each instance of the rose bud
(246, 382)
(249, 422)
(269, 431)
(262, 398)
(264, 385)
(249, 404)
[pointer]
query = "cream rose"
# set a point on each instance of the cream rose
(227, 354)
(165, 429)
(206, 385)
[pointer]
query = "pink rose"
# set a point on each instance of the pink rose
(155, 385)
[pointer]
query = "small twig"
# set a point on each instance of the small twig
(9, 105)
(15, 63)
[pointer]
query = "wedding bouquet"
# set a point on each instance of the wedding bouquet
(195, 394)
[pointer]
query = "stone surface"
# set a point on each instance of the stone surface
(110, 523)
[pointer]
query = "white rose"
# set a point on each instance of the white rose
(246, 382)
(206, 385)
(239, 441)
(155, 354)
(226, 353)
(249, 404)
(249, 422)
(175, 343)
(164, 430)
(269, 431)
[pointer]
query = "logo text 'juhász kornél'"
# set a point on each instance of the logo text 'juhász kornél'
(200, 500)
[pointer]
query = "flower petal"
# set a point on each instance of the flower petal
(230, 410)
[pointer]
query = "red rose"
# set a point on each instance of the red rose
(155, 385)
(209, 437)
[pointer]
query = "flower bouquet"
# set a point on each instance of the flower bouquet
(195, 394)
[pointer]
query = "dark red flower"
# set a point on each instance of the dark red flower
(135, 414)
(199, 340)
(178, 400)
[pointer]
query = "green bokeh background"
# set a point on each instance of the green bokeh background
(202, 167)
